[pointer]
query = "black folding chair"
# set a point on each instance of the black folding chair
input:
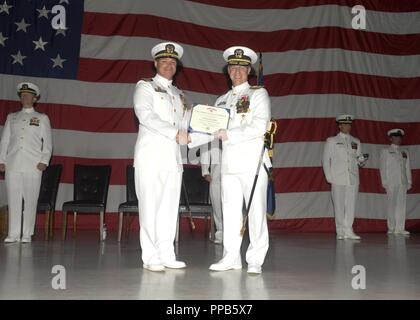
(91, 184)
(131, 206)
(48, 196)
(195, 199)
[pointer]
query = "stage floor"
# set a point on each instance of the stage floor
(298, 266)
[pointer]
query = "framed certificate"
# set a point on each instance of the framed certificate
(208, 119)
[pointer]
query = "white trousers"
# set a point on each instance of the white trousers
(397, 203)
(344, 201)
(158, 194)
(26, 186)
(236, 188)
(216, 201)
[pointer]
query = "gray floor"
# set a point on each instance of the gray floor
(298, 266)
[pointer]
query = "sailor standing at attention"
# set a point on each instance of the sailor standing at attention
(160, 108)
(341, 161)
(396, 179)
(25, 152)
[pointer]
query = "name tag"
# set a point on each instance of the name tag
(159, 89)
(34, 122)
(354, 146)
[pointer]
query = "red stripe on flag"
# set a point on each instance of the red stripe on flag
(343, 82)
(312, 179)
(118, 173)
(140, 25)
(281, 84)
(80, 118)
(360, 225)
(319, 129)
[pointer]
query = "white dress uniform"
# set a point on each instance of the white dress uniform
(240, 157)
(210, 165)
(396, 179)
(26, 142)
(341, 160)
(159, 107)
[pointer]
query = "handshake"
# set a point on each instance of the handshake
(183, 137)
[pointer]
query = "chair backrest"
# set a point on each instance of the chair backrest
(49, 184)
(197, 188)
(131, 188)
(91, 183)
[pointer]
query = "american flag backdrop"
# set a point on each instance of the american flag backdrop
(316, 66)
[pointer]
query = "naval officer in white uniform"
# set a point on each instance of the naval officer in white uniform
(161, 111)
(341, 160)
(25, 152)
(242, 145)
(396, 179)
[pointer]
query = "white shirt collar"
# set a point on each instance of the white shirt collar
(343, 135)
(241, 87)
(162, 80)
(28, 110)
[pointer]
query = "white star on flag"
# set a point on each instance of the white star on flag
(18, 58)
(61, 31)
(2, 39)
(40, 44)
(58, 61)
(22, 25)
(43, 12)
(5, 8)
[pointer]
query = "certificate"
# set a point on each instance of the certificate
(208, 119)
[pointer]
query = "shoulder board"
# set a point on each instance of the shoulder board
(148, 79)
(256, 87)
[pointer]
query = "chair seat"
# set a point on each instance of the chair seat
(83, 206)
(129, 206)
(197, 209)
